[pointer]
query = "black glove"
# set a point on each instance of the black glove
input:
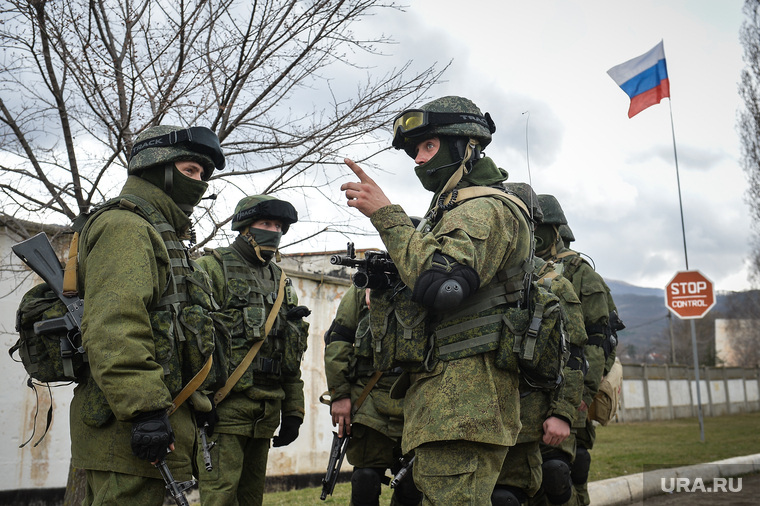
(207, 417)
(288, 431)
(298, 312)
(151, 435)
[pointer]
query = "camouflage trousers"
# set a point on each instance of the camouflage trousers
(238, 473)
(566, 452)
(457, 472)
(106, 488)
(522, 468)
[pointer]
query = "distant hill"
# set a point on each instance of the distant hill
(643, 312)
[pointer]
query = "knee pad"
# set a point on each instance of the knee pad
(406, 493)
(507, 496)
(581, 466)
(556, 481)
(365, 486)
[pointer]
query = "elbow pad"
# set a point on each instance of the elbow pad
(446, 284)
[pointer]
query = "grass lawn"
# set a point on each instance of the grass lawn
(620, 449)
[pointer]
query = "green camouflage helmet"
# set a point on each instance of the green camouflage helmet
(566, 234)
(256, 207)
(160, 145)
(452, 116)
(525, 193)
(553, 214)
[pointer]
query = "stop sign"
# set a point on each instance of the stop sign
(689, 294)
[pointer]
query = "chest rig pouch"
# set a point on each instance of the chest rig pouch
(244, 312)
(538, 340)
(184, 333)
(400, 331)
(361, 363)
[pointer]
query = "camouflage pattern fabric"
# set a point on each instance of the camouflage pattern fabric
(469, 398)
(124, 266)
(457, 472)
(238, 473)
(522, 466)
(251, 413)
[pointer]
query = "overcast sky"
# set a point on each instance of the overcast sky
(614, 176)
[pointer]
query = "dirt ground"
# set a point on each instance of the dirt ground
(747, 496)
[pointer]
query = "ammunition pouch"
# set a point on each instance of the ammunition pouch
(400, 334)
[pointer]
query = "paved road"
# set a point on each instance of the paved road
(749, 495)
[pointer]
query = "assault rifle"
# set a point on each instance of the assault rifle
(39, 255)
(176, 490)
(206, 447)
(377, 271)
(337, 453)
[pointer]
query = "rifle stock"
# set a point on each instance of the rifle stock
(39, 255)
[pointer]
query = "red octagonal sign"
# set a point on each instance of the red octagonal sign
(689, 294)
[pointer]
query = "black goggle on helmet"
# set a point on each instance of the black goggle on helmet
(200, 140)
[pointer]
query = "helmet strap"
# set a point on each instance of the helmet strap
(447, 197)
(168, 178)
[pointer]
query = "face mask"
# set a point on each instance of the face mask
(185, 191)
(264, 242)
(442, 165)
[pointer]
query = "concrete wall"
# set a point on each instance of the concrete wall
(661, 392)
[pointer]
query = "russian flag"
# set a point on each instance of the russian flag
(644, 79)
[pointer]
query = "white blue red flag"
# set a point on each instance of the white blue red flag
(644, 79)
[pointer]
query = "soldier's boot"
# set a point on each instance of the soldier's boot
(556, 483)
(365, 486)
(504, 495)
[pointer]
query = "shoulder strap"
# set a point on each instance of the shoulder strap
(240, 369)
(471, 192)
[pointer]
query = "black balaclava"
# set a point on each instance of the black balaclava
(185, 191)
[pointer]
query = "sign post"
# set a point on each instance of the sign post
(690, 296)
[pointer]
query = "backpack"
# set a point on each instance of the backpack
(54, 356)
(605, 405)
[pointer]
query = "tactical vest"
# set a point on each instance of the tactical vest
(244, 311)
(406, 335)
(184, 333)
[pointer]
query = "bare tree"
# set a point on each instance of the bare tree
(286, 85)
(749, 121)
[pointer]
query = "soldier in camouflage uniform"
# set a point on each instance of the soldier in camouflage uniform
(465, 264)
(375, 429)
(246, 284)
(134, 275)
(592, 291)
(546, 415)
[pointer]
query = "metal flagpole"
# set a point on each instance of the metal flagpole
(686, 257)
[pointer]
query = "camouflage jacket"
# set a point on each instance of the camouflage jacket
(348, 367)
(467, 398)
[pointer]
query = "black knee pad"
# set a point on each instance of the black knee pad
(581, 466)
(406, 492)
(365, 486)
(556, 481)
(507, 496)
